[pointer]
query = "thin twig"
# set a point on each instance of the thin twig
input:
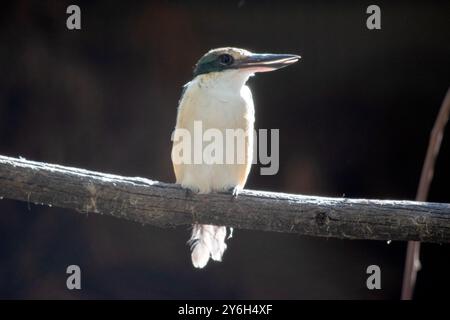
(412, 261)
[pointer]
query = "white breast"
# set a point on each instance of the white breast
(220, 101)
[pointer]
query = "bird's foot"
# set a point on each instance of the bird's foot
(189, 193)
(234, 192)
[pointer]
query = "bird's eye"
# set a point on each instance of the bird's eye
(226, 59)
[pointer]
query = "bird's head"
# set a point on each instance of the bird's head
(241, 61)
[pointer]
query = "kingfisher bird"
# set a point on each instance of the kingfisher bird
(219, 99)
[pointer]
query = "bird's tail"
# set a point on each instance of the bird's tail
(207, 241)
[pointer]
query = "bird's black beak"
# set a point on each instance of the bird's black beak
(267, 62)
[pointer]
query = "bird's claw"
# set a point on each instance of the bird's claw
(189, 193)
(234, 192)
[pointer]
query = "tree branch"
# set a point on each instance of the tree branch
(412, 260)
(165, 205)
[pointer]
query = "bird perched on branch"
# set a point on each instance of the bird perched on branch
(217, 101)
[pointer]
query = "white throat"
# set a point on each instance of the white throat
(227, 80)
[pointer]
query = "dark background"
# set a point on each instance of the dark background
(354, 117)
